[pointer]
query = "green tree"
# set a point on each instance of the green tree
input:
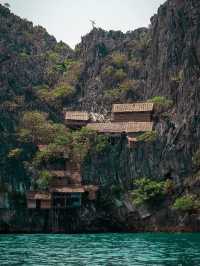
(36, 128)
(161, 102)
(119, 60)
(150, 136)
(186, 203)
(44, 180)
(147, 191)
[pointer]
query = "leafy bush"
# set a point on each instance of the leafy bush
(121, 91)
(119, 75)
(44, 180)
(52, 151)
(168, 186)
(118, 60)
(112, 94)
(86, 140)
(161, 101)
(73, 72)
(24, 56)
(15, 153)
(101, 142)
(102, 50)
(147, 191)
(150, 136)
(63, 91)
(108, 71)
(36, 128)
(177, 76)
(53, 57)
(81, 142)
(127, 85)
(60, 92)
(185, 203)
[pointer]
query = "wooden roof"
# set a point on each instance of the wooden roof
(91, 188)
(35, 195)
(68, 190)
(59, 173)
(133, 107)
(76, 115)
(130, 139)
(41, 147)
(120, 127)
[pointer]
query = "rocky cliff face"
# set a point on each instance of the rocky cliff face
(114, 67)
(173, 71)
(28, 56)
(160, 61)
(163, 60)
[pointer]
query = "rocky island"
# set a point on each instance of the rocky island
(105, 137)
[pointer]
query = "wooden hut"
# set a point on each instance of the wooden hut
(38, 200)
(76, 119)
(67, 197)
(59, 178)
(135, 112)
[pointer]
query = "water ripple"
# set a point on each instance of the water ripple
(100, 250)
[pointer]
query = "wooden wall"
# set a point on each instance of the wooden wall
(73, 173)
(59, 182)
(132, 117)
(31, 204)
(44, 204)
(75, 123)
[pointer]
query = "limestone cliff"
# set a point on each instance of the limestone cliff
(109, 67)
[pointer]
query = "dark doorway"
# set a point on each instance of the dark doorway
(38, 204)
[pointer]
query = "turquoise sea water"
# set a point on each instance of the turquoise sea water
(101, 249)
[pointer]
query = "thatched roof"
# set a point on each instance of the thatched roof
(120, 127)
(133, 107)
(35, 195)
(76, 115)
(69, 190)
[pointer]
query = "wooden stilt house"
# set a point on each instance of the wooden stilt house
(132, 112)
(65, 189)
(76, 119)
(67, 197)
(38, 200)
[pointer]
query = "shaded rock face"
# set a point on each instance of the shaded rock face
(25, 62)
(95, 51)
(169, 66)
(173, 71)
